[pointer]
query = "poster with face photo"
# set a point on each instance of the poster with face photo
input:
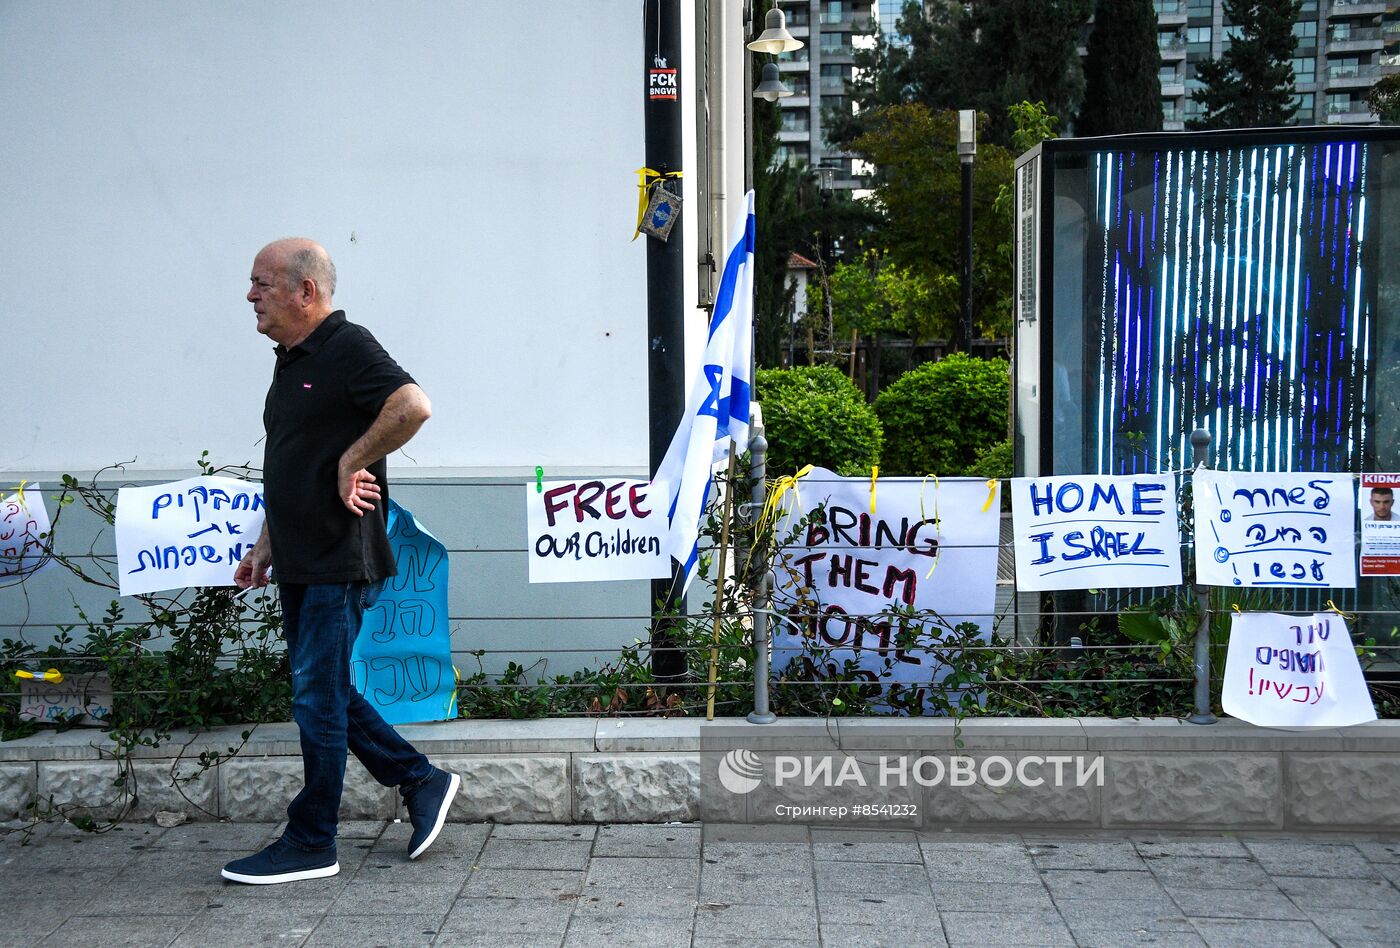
(1380, 525)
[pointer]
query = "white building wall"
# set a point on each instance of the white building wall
(477, 191)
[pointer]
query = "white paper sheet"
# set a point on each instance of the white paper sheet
(1294, 671)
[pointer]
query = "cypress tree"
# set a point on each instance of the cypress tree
(1251, 84)
(1123, 91)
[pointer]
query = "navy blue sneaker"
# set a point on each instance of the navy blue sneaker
(427, 809)
(282, 862)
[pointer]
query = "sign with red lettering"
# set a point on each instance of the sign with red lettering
(881, 571)
(1294, 672)
(1380, 525)
(587, 531)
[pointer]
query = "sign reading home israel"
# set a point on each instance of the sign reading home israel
(1092, 532)
(1276, 529)
(879, 572)
(187, 533)
(586, 531)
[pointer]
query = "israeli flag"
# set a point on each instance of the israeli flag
(717, 411)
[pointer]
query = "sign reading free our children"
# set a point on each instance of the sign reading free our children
(187, 533)
(1095, 532)
(586, 531)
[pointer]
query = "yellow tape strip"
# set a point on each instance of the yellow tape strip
(53, 676)
(991, 494)
(937, 525)
(646, 177)
(1333, 607)
(780, 487)
(874, 473)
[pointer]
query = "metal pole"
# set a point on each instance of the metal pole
(661, 31)
(762, 596)
(966, 327)
(1200, 451)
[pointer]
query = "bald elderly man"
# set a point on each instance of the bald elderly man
(337, 407)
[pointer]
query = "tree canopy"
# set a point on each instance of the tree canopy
(1251, 84)
(1122, 90)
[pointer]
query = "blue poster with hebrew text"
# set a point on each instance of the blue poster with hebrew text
(402, 661)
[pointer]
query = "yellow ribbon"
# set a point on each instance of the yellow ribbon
(1333, 607)
(19, 493)
(874, 473)
(53, 676)
(991, 494)
(1236, 606)
(781, 486)
(935, 513)
(646, 177)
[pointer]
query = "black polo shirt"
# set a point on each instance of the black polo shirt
(325, 393)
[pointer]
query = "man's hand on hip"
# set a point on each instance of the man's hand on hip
(358, 490)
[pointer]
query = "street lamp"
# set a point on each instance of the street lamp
(967, 150)
(775, 38)
(771, 86)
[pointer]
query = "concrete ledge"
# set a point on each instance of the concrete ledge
(1154, 773)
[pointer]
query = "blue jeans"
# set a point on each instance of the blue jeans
(320, 623)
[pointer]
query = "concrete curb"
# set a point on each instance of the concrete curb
(1155, 772)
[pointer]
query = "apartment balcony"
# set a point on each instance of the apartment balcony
(1339, 79)
(1173, 125)
(1170, 12)
(1352, 117)
(1173, 51)
(1356, 41)
(1173, 90)
(788, 137)
(1357, 8)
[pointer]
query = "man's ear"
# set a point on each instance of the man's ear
(308, 292)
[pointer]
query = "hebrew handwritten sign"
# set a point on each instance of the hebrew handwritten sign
(928, 546)
(1095, 532)
(1294, 671)
(585, 531)
(24, 532)
(1284, 529)
(187, 533)
(402, 659)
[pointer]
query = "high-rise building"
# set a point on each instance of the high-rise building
(887, 14)
(819, 74)
(1344, 46)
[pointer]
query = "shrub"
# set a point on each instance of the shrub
(814, 415)
(940, 416)
(996, 462)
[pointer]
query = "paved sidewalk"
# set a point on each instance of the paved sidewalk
(654, 886)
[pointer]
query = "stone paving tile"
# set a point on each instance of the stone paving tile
(749, 921)
(497, 940)
(535, 854)
(857, 936)
(459, 839)
(1129, 916)
(224, 837)
(756, 833)
(1244, 933)
(866, 846)
(383, 931)
(1307, 858)
(1309, 892)
(111, 931)
(395, 898)
(1116, 939)
(1058, 852)
(1003, 863)
(559, 831)
(1234, 903)
(1020, 928)
(1206, 847)
(1201, 873)
(722, 883)
(510, 916)
(1101, 884)
(635, 902)
(666, 840)
(872, 877)
(1382, 850)
(522, 883)
(629, 933)
(878, 911)
(741, 941)
(1359, 926)
(641, 871)
(988, 897)
(225, 926)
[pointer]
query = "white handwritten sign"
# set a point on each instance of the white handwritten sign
(1284, 529)
(80, 699)
(1294, 671)
(929, 546)
(1093, 532)
(586, 531)
(188, 533)
(24, 532)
